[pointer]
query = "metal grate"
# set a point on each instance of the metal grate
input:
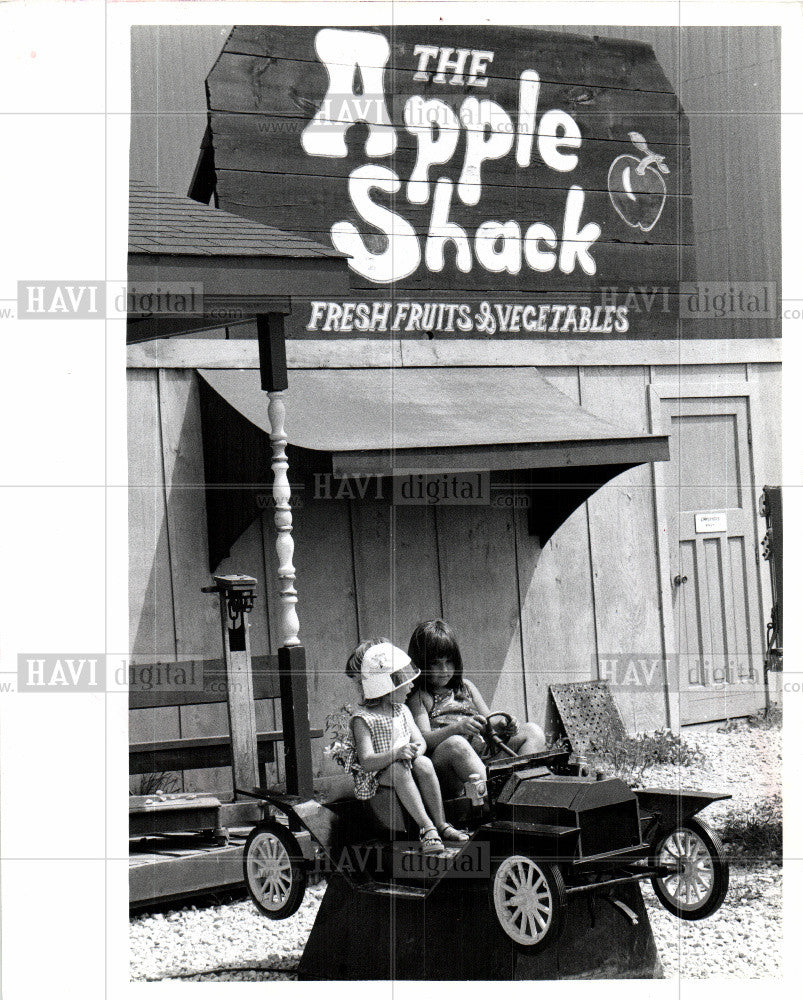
(588, 713)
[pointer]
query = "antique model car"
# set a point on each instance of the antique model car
(544, 832)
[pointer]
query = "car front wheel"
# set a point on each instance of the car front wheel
(529, 899)
(274, 870)
(697, 886)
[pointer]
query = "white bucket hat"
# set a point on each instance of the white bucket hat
(385, 668)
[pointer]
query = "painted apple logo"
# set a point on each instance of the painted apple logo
(636, 187)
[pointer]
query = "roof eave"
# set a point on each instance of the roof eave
(227, 276)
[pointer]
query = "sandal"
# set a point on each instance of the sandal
(431, 843)
(448, 832)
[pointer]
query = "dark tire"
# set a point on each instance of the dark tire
(274, 870)
(701, 884)
(529, 899)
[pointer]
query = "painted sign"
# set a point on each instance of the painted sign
(504, 318)
(710, 523)
(482, 181)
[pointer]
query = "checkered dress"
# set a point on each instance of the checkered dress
(386, 731)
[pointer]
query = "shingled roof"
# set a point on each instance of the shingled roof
(160, 222)
(232, 269)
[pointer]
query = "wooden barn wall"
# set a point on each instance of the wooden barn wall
(728, 80)
(169, 617)
(169, 63)
(526, 617)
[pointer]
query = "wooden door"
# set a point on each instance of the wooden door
(710, 506)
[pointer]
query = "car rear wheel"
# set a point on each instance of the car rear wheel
(699, 883)
(274, 870)
(529, 899)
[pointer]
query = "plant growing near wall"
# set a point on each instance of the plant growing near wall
(336, 726)
(755, 834)
(630, 757)
(161, 781)
(767, 718)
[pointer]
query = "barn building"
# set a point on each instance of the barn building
(506, 406)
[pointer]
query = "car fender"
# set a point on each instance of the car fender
(302, 814)
(673, 806)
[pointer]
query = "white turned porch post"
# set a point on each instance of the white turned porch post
(283, 519)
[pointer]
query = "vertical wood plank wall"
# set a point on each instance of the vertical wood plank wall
(526, 618)
(595, 588)
(728, 80)
(170, 619)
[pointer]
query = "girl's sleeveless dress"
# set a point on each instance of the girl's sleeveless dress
(386, 731)
(451, 706)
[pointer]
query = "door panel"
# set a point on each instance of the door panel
(714, 572)
(709, 469)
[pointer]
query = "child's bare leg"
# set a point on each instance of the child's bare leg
(455, 761)
(430, 789)
(401, 779)
(529, 739)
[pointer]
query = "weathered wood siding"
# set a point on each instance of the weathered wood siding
(526, 617)
(169, 617)
(728, 79)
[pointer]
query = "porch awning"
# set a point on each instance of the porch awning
(390, 421)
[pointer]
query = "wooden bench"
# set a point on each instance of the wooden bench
(167, 860)
(197, 682)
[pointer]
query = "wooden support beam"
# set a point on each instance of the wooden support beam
(292, 657)
(236, 597)
(295, 720)
(273, 373)
(272, 354)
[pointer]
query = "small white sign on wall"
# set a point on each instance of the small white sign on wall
(709, 522)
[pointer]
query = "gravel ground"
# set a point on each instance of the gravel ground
(743, 939)
(178, 943)
(745, 762)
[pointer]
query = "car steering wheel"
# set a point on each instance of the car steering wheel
(494, 742)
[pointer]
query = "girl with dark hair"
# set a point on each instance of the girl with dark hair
(450, 711)
(385, 747)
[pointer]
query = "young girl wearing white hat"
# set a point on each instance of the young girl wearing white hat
(389, 749)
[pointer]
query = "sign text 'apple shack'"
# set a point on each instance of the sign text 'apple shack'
(490, 135)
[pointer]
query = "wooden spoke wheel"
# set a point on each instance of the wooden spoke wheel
(529, 900)
(274, 870)
(697, 886)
